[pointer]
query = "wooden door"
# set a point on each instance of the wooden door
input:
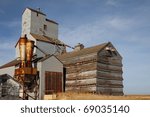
(53, 82)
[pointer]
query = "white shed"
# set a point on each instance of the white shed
(51, 76)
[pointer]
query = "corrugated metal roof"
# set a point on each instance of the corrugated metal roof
(82, 52)
(47, 39)
(10, 64)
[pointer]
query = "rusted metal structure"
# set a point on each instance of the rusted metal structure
(97, 69)
(26, 74)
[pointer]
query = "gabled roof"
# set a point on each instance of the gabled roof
(10, 64)
(47, 39)
(84, 51)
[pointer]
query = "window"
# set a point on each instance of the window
(110, 52)
(114, 52)
(45, 27)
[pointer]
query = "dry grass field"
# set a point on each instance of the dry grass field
(89, 96)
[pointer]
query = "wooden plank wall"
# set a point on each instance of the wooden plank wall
(81, 74)
(97, 73)
(109, 74)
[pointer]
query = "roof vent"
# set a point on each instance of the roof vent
(79, 47)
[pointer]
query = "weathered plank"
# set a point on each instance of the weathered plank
(80, 60)
(105, 67)
(103, 73)
(110, 61)
(105, 90)
(82, 74)
(81, 68)
(108, 77)
(108, 82)
(110, 85)
(90, 88)
(81, 77)
(81, 82)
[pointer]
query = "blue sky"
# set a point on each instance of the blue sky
(126, 23)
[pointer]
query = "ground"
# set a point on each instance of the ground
(88, 96)
(84, 96)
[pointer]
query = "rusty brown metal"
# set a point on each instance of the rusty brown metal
(22, 48)
(26, 75)
(29, 52)
(26, 70)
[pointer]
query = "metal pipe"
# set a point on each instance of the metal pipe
(22, 48)
(29, 52)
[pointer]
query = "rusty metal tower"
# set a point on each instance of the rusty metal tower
(26, 74)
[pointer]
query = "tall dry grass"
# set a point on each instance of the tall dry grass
(89, 96)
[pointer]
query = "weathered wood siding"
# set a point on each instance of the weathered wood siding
(109, 74)
(81, 73)
(98, 72)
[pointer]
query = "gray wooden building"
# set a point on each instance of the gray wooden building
(96, 69)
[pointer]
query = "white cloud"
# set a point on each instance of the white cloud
(83, 33)
(97, 31)
(121, 23)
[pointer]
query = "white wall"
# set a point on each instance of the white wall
(51, 64)
(26, 22)
(52, 30)
(33, 23)
(46, 47)
(8, 70)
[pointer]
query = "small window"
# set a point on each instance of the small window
(114, 52)
(109, 53)
(45, 27)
